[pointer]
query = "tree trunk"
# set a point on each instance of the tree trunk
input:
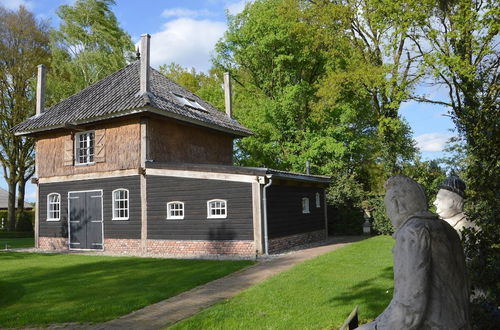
(21, 191)
(11, 218)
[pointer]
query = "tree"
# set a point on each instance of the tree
(458, 40)
(23, 45)
(381, 66)
(88, 46)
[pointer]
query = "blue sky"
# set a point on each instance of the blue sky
(185, 32)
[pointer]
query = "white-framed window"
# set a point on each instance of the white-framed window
(217, 209)
(175, 210)
(53, 207)
(305, 205)
(120, 204)
(84, 147)
(318, 200)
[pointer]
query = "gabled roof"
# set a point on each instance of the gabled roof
(118, 95)
(4, 200)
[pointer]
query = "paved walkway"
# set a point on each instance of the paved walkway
(186, 304)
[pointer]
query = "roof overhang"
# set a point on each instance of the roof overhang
(147, 109)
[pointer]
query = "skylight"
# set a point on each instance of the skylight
(189, 102)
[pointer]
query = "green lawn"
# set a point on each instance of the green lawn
(38, 289)
(14, 243)
(318, 294)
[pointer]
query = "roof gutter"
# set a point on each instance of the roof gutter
(264, 202)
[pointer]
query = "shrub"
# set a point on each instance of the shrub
(381, 224)
(345, 220)
(3, 215)
(24, 221)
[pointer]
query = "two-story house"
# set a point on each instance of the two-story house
(136, 163)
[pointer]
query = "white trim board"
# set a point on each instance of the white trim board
(89, 176)
(202, 175)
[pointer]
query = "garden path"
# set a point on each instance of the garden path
(186, 304)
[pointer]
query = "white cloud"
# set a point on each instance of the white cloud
(184, 12)
(237, 7)
(432, 142)
(187, 42)
(14, 4)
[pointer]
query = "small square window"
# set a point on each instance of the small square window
(305, 205)
(217, 209)
(175, 210)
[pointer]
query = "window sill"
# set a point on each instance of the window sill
(53, 220)
(176, 218)
(119, 219)
(306, 212)
(215, 218)
(84, 164)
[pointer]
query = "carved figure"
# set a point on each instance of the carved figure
(450, 204)
(430, 283)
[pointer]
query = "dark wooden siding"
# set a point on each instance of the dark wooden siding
(284, 210)
(195, 193)
(112, 229)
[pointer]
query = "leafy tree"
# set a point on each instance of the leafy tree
(208, 86)
(88, 46)
(378, 65)
(23, 45)
(458, 41)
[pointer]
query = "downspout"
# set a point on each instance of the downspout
(264, 202)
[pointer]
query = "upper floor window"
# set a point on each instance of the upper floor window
(84, 147)
(175, 210)
(217, 209)
(120, 204)
(318, 200)
(53, 207)
(305, 205)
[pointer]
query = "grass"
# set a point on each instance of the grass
(15, 243)
(317, 294)
(39, 289)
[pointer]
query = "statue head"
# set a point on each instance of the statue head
(450, 197)
(403, 198)
(448, 203)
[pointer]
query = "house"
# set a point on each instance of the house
(4, 199)
(136, 163)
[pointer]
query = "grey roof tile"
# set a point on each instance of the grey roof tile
(118, 93)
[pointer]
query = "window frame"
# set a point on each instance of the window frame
(49, 204)
(113, 207)
(318, 200)
(305, 205)
(175, 217)
(77, 148)
(217, 216)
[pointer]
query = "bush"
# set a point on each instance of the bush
(381, 224)
(15, 234)
(345, 220)
(25, 221)
(3, 215)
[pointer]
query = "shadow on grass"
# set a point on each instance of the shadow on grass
(99, 290)
(10, 293)
(368, 293)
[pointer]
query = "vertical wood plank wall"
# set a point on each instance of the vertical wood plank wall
(172, 141)
(122, 150)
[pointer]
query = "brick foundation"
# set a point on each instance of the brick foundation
(194, 248)
(285, 243)
(52, 243)
(122, 245)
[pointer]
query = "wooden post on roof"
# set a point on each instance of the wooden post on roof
(228, 94)
(40, 89)
(144, 73)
